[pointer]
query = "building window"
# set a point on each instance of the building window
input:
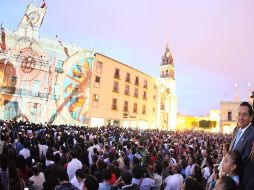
(59, 66)
(136, 81)
(144, 95)
(166, 73)
(135, 108)
(36, 87)
(117, 74)
(128, 77)
(99, 67)
(95, 100)
(125, 107)
(145, 83)
(230, 116)
(136, 93)
(13, 81)
(162, 74)
(114, 104)
(144, 109)
(115, 86)
(127, 90)
(97, 81)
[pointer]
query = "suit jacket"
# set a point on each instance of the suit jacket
(244, 145)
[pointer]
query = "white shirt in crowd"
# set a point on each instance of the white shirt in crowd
(74, 181)
(146, 183)
(58, 153)
(206, 172)
(158, 181)
(90, 152)
(43, 149)
(49, 162)
(38, 181)
(73, 166)
(189, 169)
(25, 152)
(174, 182)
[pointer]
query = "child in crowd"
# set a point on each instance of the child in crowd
(231, 165)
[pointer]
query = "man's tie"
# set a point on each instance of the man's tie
(238, 135)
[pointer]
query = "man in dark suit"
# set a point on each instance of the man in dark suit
(243, 135)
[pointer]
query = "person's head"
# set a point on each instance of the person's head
(73, 154)
(245, 115)
(138, 172)
(197, 173)
(91, 183)
(191, 160)
(57, 158)
(107, 175)
(232, 162)
(126, 177)
(225, 183)
(80, 175)
(204, 153)
(36, 169)
(63, 177)
(176, 169)
(191, 184)
(26, 144)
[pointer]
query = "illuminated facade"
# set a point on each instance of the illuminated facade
(43, 80)
(192, 122)
(49, 81)
(228, 117)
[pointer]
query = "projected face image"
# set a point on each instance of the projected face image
(7, 81)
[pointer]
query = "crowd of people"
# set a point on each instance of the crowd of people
(64, 157)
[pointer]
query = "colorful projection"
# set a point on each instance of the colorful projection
(74, 86)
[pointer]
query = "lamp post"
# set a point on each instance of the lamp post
(252, 96)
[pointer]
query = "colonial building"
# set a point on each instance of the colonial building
(50, 81)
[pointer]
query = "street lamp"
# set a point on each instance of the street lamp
(252, 96)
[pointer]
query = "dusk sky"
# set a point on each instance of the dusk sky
(212, 41)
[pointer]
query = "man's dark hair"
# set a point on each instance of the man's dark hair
(80, 173)
(127, 177)
(138, 172)
(251, 112)
(91, 183)
(73, 154)
(227, 183)
(191, 184)
(57, 158)
(63, 176)
(106, 174)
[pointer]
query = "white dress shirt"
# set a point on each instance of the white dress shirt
(146, 183)
(174, 182)
(74, 181)
(73, 166)
(25, 152)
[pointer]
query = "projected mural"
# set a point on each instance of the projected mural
(43, 80)
(73, 88)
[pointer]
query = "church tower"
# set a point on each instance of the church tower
(31, 21)
(167, 69)
(167, 101)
